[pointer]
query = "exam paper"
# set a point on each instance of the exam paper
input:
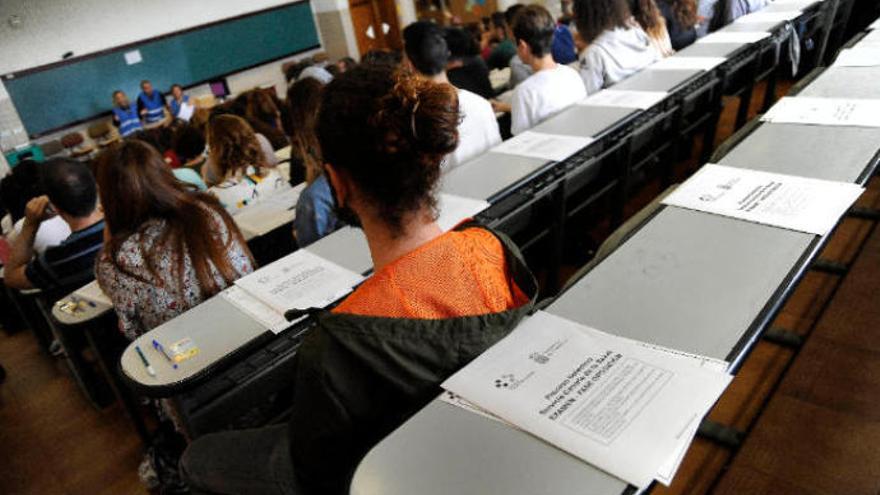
(858, 57)
(618, 406)
(797, 203)
(261, 313)
(554, 147)
(455, 209)
(642, 100)
(735, 37)
(825, 111)
(300, 280)
(92, 292)
(688, 63)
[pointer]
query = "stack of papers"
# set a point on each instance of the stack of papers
(553, 147)
(806, 205)
(301, 280)
(688, 63)
(626, 407)
(620, 98)
(825, 111)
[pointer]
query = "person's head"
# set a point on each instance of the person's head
(594, 17)
(21, 186)
(177, 91)
(70, 186)
(304, 101)
(499, 26)
(390, 58)
(259, 105)
(461, 44)
(345, 64)
(533, 29)
(384, 134)
(511, 13)
(233, 145)
(426, 48)
(136, 186)
(188, 143)
(685, 11)
(147, 87)
(120, 99)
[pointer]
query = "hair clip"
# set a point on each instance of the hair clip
(412, 121)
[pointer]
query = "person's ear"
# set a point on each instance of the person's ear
(523, 50)
(339, 184)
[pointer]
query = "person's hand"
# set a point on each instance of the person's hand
(38, 210)
(500, 106)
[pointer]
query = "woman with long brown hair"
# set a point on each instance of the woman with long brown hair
(167, 248)
(315, 215)
(681, 21)
(648, 16)
(239, 162)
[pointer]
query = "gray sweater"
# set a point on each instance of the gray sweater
(615, 55)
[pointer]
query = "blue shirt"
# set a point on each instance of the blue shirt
(175, 107)
(315, 213)
(563, 48)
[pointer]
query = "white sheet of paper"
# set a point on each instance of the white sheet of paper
(300, 280)
(269, 213)
(133, 57)
(92, 292)
(735, 37)
(618, 406)
(859, 57)
(454, 209)
(620, 98)
(186, 111)
(760, 17)
(545, 146)
(825, 111)
(688, 63)
(806, 205)
(874, 25)
(251, 306)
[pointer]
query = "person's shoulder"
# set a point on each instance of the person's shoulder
(470, 100)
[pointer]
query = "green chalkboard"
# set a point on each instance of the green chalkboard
(81, 89)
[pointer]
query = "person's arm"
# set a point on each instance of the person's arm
(592, 70)
(14, 275)
(142, 110)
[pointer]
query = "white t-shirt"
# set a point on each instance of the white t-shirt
(52, 232)
(239, 192)
(543, 95)
(478, 130)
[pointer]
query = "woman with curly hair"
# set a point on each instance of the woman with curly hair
(435, 301)
(681, 21)
(239, 162)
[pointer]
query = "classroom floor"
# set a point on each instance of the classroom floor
(53, 442)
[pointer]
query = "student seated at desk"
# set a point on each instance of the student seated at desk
(553, 87)
(505, 47)
(16, 190)
(168, 248)
(262, 113)
(70, 194)
(466, 69)
(436, 301)
(616, 46)
(315, 211)
(181, 108)
(427, 53)
(519, 70)
(681, 21)
(239, 162)
(151, 105)
(650, 19)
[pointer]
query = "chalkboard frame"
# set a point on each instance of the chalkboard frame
(136, 44)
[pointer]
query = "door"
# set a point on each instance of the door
(375, 25)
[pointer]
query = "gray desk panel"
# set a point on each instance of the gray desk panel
(657, 80)
(489, 174)
(845, 82)
(579, 120)
(215, 326)
(347, 247)
(710, 49)
(686, 280)
(750, 27)
(831, 153)
(445, 450)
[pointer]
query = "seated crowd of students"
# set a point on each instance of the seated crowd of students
(152, 217)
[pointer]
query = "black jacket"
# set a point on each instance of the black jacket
(359, 378)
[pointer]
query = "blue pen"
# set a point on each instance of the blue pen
(158, 347)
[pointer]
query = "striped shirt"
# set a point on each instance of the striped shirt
(70, 264)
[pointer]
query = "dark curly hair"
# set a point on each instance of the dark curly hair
(389, 131)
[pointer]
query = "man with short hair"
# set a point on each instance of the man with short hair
(125, 116)
(71, 193)
(151, 105)
(553, 87)
(427, 52)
